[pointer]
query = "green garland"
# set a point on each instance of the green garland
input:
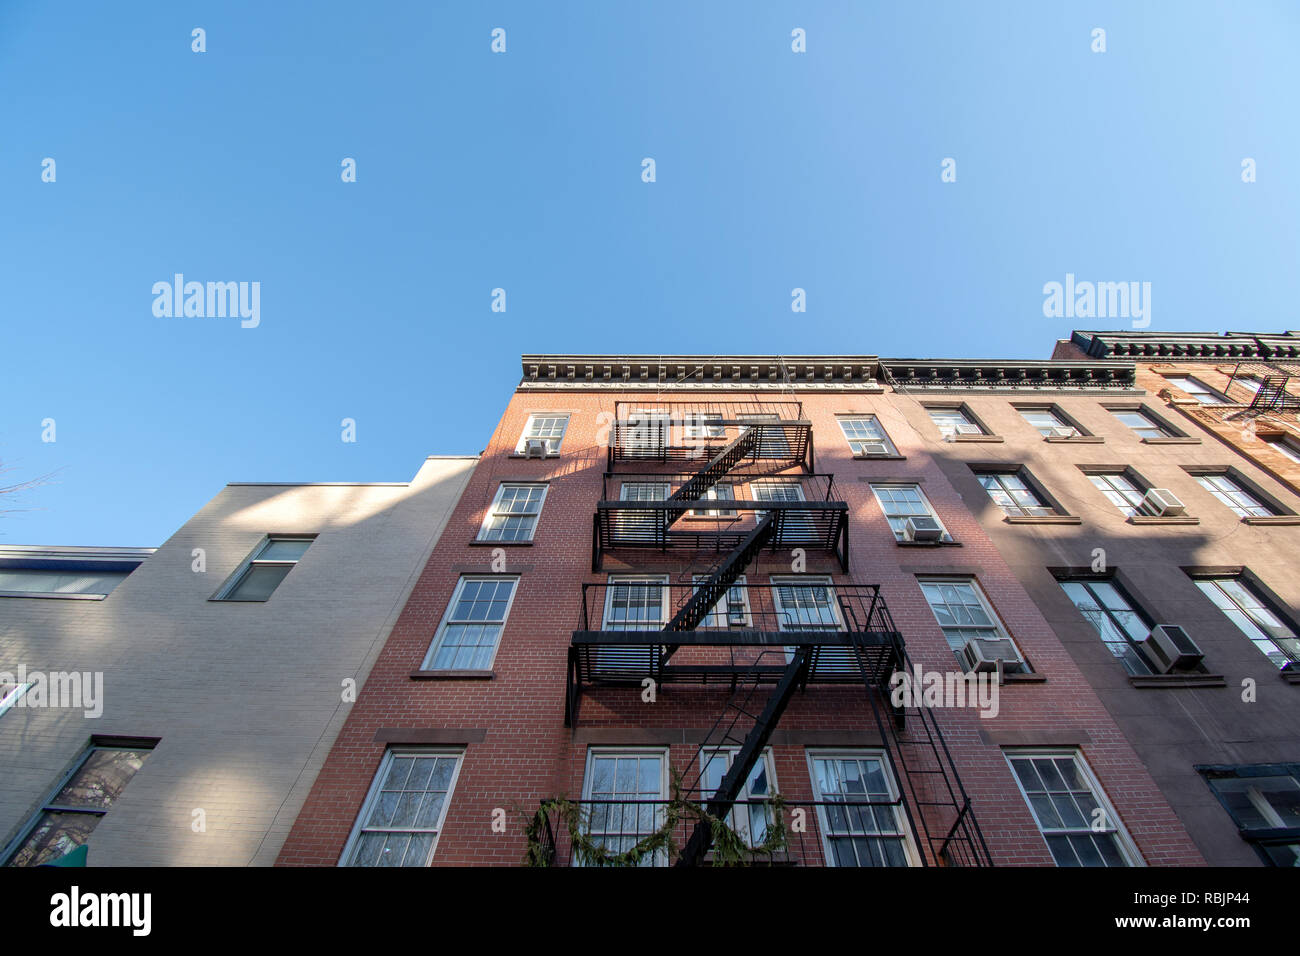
(729, 847)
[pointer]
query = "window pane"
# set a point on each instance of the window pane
(100, 779)
(56, 835)
(259, 582)
(284, 549)
(48, 581)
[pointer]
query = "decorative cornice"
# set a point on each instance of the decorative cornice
(1190, 346)
(747, 372)
(989, 374)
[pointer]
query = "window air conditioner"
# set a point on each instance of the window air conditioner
(867, 448)
(1169, 648)
(983, 654)
(1065, 431)
(535, 447)
(966, 428)
(922, 528)
(1162, 503)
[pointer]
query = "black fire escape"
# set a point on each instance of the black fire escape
(763, 643)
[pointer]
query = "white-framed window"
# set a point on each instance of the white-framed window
(962, 611)
(1014, 495)
(471, 629)
(514, 512)
(772, 442)
(636, 602)
(722, 491)
(1232, 495)
(1077, 821)
(639, 522)
(10, 694)
(806, 602)
(547, 426)
(1142, 423)
(645, 433)
(264, 569)
(706, 425)
(751, 821)
(732, 609)
(900, 502)
(859, 811)
(866, 436)
(1119, 490)
(625, 792)
(1286, 445)
(797, 522)
(1197, 389)
(402, 817)
(954, 421)
(77, 803)
(1273, 636)
(1049, 422)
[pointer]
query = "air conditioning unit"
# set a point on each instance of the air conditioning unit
(983, 654)
(1162, 503)
(966, 428)
(868, 448)
(1169, 648)
(1065, 431)
(922, 528)
(535, 448)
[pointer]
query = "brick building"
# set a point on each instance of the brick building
(171, 706)
(704, 569)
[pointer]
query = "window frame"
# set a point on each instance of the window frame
(902, 822)
(439, 635)
(1204, 480)
(232, 583)
(1164, 429)
(946, 537)
(1259, 838)
(390, 753)
(492, 512)
(1124, 841)
(1139, 484)
(1182, 380)
(1049, 507)
(1003, 632)
(1062, 419)
(660, 857)
(719, 617)
(1290, 662)
(665, 598)
(551, 452)
(1135, 607)
(742, 828)
(969, 418)
(891, 450)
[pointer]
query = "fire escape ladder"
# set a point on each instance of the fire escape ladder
(918, 755)
(1273, 396)
(751, 747)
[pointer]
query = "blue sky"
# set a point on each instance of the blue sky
(522, 171)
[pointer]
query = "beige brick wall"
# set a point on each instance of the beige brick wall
(246, 697)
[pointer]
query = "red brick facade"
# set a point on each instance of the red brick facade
(517, 750)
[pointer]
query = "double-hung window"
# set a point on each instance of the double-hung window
(637, 524)
(962, 612)
(514, 512)
(1073, 814)
(859, 811)
(732, 609)
(1118, 623)
(1014, 495)
(403, 815)
(772, 440)
(795, 522)
(1049, 423)
(1274, 637)
(1119, 490)
(705, 425)
(67, 818)
(1231, 494)
(866, 436)
(723, 491)
(471, 629)
(263, 570)
(645, 433)
(1142, 424)
(749, 817)
(900, 502)
(1264, 802)
(1285, 445)
(625, 795)
(548, 428)
(953, 422)
(1197, 389)
(636, 602)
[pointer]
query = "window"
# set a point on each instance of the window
(953, 422)
(866, 436)
(1274, 637)
(1230, 493)
(639, 523)
(262, 572)
(1078, 823)
(1264, 802)
(646, 433)
(403, 815)
(750, 820)
(1049, 423)
(467, 639)
(1142, 423)
(65, 579)
(10, 693)
(1120, 490)
(794, 522)
(548, 427)
(859, 810)
(720, 492)
(732, 609)
(514, 513)
(1285, 445)
(67, 818)
(625, 791)
(962, 611)
(636, 602)
(1197, 389)
(900, 502)
(704, 425)
(806, 603)
(1013, 495)
(772, 443)
(1119, 625)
